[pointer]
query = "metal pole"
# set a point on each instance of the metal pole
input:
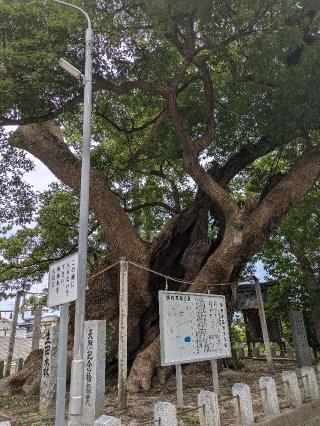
(36, 333)
(179, 382)
(123, 331)
(62, 366)
(264, 327)
(76, 386)
(13, 333)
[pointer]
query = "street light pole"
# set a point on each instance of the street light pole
(76, 388)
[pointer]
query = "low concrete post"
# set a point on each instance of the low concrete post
(48, 384)
(310, 385)
(94, 371)
(107, 421)
(1, 369)
(243, 404)
(291, 388)
(209, 414)
(166, 413)
(269, 396)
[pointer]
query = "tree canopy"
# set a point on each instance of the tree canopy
(205, 134)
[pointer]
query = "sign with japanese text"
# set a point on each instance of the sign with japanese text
(193, 327)
(63, 281)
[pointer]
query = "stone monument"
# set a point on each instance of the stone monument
(300, 340)
(48, 384)
(94, 371)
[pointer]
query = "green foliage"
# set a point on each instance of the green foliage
(263, 57)
(292, 258)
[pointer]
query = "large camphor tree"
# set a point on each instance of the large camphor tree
(189, 96)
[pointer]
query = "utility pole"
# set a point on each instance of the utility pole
(13, 333)
(76, 386)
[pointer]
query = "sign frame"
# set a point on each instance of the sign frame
(74, 294)
(162, 338)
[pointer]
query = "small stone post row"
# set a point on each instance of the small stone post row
(243, 404)
(269, 396)
(310, 384)
(107, 421)
(291, 388)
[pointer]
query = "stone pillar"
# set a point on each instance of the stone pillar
(311, 388)
(36, 333)
(291, 388)
(166, 413)
(269, 396)
(209, 414)
(94, 371)
(107, 421)
(48, 384)
(300, 340)
(243, 404)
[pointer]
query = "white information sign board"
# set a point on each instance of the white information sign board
(63, 281)
(193, 327)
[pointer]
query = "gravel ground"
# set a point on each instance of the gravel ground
(23, 411)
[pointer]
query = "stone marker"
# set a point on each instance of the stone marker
(313, 358)
(290, 352)
(291, 388)
(243, 404)
(94, 371)
(48, 384)
(107, 421)
(19, 364)
(166, 413)
(269, 396)
(311, 388)
(273, 350)
(208, 409)
(300, 340)
(5, 424)
(256, 352)
(1, 369)
(240, 353)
